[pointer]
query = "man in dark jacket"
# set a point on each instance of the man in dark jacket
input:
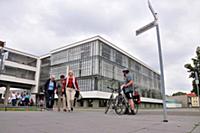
(50, 87)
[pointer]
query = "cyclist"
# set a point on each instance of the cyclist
(128, 89)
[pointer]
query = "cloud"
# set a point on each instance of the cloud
(40, 26)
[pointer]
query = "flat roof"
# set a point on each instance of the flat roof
(21, 53)
(45, 56)
(106, 42)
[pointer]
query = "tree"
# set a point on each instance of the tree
(194, 67)
(178, 94)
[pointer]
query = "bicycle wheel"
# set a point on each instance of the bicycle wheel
(120, 106)
(108, 104)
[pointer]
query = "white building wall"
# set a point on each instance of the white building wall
(17, 80)
(37, 77)
(17, 65)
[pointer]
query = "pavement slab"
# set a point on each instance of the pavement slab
(91, 121)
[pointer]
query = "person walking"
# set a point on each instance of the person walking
(13, 99)
(128, 89)
(71, 88)
(18, 98)
(27, 99)
(61, 92)
(50, 87)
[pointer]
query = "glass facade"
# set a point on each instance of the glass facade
(19, 73)
(44, 72)
(12, 70)
(98, 65)
(21, 59)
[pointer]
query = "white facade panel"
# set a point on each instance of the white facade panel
(17, 80)
(37, 77)
(106, 95)
(17, 65)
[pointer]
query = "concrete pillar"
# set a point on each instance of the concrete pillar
(150, 94)
(147, 105)
(146, 93)
(7, 91)
(95, 103)
(154, 105)
(35, 89)
(142, 105)
(77, 104)
(85, 103)
(150, 105)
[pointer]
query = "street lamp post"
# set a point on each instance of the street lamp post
(2, 45)
(162, 81)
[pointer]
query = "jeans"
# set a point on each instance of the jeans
(49, 99)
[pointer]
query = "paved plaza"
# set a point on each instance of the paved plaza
(95, 121)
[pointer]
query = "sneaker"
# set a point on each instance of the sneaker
(126, 111)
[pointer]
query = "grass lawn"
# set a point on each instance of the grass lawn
(20, 109)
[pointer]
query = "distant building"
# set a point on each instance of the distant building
(97, 64)
(183, 99)
(193, 100)
(172, 103)
(188, 100)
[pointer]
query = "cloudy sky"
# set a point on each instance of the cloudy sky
(38, 26)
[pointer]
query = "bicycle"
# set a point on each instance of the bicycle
(125, 107)
(114, 102)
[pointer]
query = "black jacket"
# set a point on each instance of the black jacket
(46, 86)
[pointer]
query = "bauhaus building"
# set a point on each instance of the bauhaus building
(97, 63)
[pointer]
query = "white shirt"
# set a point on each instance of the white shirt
(13, 96)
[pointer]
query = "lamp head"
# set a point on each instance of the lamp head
(2, 44)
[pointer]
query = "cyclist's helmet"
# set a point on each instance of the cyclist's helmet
(125, 70)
